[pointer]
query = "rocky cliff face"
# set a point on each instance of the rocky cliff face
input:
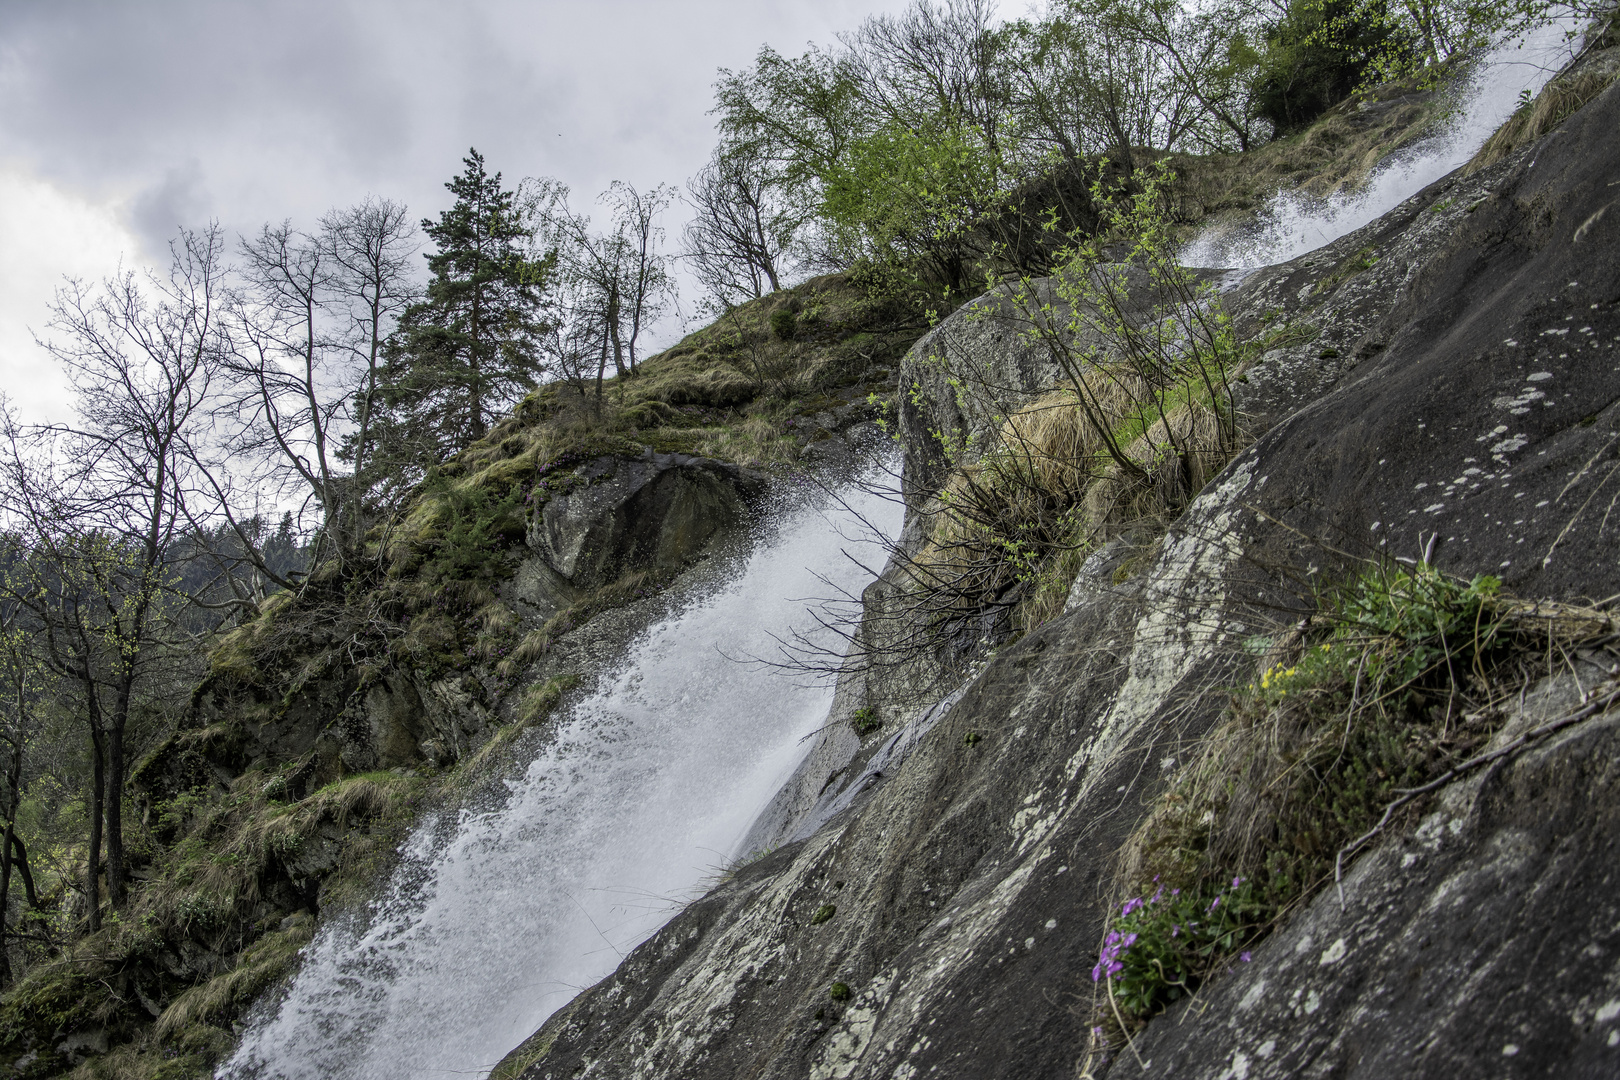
(1458, 395)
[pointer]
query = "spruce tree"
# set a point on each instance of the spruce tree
(470, 348)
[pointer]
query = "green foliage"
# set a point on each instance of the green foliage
(476, 529)
(839, 991)
(912, 197)
(865, 720)
(1393, 682)
(1161, 946)
(784, 323)
(1318, 54)
(470, 348)
(823, 913)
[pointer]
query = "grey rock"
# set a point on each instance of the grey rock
(971, 884)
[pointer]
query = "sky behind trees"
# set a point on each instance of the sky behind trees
(120, 123)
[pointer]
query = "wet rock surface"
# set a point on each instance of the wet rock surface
(1459, 393)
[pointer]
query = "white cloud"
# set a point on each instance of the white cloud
(44, 234)
(120, 122)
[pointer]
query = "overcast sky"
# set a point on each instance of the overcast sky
(120, 122)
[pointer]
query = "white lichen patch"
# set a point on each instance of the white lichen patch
(1181, 626)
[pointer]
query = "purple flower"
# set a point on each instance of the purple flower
(1236, 882)
(1131, 905)
(1245, 957)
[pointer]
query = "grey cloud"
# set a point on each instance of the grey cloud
(252, 112)
(179, 200)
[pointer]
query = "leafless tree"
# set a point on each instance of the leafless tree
(612, 283)
(307, 330)
(932, 60)
(372, 244)
(737, 240)
(98, 504)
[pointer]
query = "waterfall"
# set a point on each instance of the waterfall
(1294, 223)
(495, 919)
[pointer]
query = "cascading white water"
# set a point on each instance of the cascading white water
(496, 919)
(1293, 224)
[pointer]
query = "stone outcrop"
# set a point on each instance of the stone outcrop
(656, 514)
(652, 514)
(1458, 397)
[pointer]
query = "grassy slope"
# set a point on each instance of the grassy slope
(235, 854)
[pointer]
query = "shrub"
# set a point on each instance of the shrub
(784, 323)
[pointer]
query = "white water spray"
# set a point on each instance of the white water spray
(495, 920)
(1293, 223)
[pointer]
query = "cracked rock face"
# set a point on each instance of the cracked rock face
(1462, 393)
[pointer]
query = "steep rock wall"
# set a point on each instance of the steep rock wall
(1460, 393)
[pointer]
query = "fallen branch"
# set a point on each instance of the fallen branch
(1586, 712)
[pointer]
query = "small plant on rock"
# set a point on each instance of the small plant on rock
(1161, 946)
(1401, 674)
(865, 720)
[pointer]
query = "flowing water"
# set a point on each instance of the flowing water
(495, 919)
(1294, 223)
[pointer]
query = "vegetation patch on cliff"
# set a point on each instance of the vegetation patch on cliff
(1402, 675)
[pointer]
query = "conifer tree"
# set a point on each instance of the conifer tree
(470, 348)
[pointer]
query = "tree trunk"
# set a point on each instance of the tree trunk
(19, 859)
(601, 371)
(613, 329)
(114, 801)
(98, 785)
(5, 897)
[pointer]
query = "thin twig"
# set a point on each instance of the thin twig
(1593, 708)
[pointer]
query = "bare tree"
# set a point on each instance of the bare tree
(101, 502)
(307, 334)
(371, 245)
(933, 60)
(647, 286)
(615, 282)
(737, 239)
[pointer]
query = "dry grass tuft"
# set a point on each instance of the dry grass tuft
(1557, 101)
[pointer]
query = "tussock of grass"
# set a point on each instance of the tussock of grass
(540, 700)
(1558, 100)
(1403, 673)
(259, 966)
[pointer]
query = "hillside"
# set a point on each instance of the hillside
(1316, 780)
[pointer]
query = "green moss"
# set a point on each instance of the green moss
(839, 991)
(541, 699)
(823, 913)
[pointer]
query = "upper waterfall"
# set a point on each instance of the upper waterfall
(1294, 223)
